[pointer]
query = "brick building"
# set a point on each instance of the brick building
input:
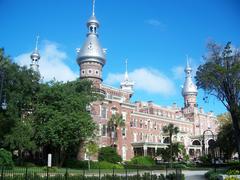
(142, 134)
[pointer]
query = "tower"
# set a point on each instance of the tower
(91, 57)
(35, 56)
(127, 84)
(189, 90)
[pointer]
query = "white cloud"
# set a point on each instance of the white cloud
(178, 72)
(156, 23)
(52, 63)
(148, 80)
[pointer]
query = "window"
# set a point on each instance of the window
(103, 111)
(96, 72)
(83, 71)
(134, 137)
(135, 123)
(124, 116)
(114, 110)
(141, 124)
(123, 131)
(90, 71)
(104, 130)
(91, 29)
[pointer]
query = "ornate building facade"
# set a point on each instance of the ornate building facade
(142, 133)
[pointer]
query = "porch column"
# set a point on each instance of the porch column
(144, 150)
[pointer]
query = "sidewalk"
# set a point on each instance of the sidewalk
(194, 175)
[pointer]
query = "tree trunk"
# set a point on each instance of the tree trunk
(89, 167)
(171, 154)
(62, 157)
(236, 129)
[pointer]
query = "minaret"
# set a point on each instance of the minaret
(35, 56)
(126, 84)
(91, 57)
(189, 90)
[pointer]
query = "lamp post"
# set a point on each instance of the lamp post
(2, 102)
(203, 144)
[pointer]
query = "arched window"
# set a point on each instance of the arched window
(196, 142)
(166, 140)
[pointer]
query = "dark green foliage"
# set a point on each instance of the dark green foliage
(206, 159)
(145, 176)
(226, 140)
(212, 175)
(142, 161)
(6, 158)
(173, 176)
(109, 154)
(94, 165)
(20, 85)
(21, 137)
(60, 116)
(76, 164)
(219, 76)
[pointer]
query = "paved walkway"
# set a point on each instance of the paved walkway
(194, 175)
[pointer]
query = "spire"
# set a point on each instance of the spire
(126, 71)
(93, 7)
(35, 56)
(91, 49)
(189, 87)
(127, 84)
(36, 47)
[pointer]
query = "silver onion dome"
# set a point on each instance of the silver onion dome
(91, 50)
(189, 88)
(93, 20)
(35, 55)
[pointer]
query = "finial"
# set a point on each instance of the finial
(187, 61)
(126, 61)
(126, 72)
(93, 7)
(36, 48)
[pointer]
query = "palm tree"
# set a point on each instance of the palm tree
(114, 123)
(170, 129)
(91, 149)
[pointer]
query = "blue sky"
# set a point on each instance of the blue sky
(154, 35)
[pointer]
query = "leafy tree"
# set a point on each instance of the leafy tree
(177, 149)
(170, 129)
(114, 123)
(60, 116)
(219, 76)
(21, 138)
(20, 86)
(91, 150)
(225, 139)
(5, 158)
(109, 154)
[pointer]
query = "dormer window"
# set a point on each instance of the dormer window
(91, 29)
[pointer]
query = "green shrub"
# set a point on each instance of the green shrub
(206, 159)
(29, 164)
(6, 158)
(182, 166)
(76, 164)
(109, 154)
(173, 176)
(142, 161)
(231, 178)
(212, 175)
(105, 165)
(50, 169)
(233, 172)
